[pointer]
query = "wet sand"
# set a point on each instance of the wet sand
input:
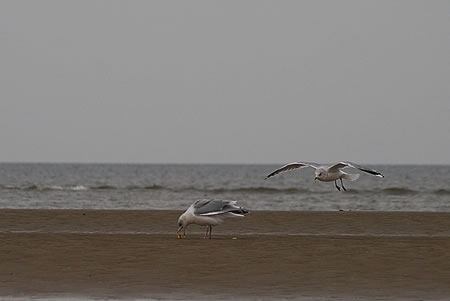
(267, 255)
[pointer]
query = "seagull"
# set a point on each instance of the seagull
(329, 173)
(209, 212)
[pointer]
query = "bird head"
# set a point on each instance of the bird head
(320, 174)
(182, 224)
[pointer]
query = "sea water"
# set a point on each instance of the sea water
(153, 187)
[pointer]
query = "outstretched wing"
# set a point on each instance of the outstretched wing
(337, 166)
(214, 207)
(290, 166)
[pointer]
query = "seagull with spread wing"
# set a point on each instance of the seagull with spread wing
(329, 173)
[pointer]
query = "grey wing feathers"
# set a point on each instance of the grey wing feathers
(201, 203)
(214, 207)
(345, 164)
(290, 166)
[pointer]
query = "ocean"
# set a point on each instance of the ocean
(175, 187)
(107, 232)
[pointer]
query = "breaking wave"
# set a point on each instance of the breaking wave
(257, 189)
(396, 191)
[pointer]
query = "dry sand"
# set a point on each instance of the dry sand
(268, 255)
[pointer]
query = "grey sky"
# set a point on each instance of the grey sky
(225, 81)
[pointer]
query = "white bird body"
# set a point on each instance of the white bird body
(208, 213)
(203, 220)
(331, 176)
(329, 173)
(327, 176)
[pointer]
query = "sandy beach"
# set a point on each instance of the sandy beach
(267, 255)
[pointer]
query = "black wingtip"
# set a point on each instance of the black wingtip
(241, 211)
(379, 175)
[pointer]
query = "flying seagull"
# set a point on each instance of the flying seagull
(208, 213)
(329, 173)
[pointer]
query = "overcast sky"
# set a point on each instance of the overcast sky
(225, 81)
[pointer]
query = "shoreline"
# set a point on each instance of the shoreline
(387, 256)
(375, 223)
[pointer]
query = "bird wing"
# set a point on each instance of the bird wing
(290, 166)
(214, 207)
(337, 166)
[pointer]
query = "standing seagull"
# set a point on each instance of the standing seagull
(208, 213)
(329, 173)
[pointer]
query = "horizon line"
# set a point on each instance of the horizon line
(191, 163)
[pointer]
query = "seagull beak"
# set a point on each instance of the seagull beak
(178, 232)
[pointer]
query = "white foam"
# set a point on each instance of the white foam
(79, 188)
(56, 187)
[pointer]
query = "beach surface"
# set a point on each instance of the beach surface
(117, 254)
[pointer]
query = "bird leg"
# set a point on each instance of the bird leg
(342, 184)
(210, 231)
(337, 187)
(206, 234)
